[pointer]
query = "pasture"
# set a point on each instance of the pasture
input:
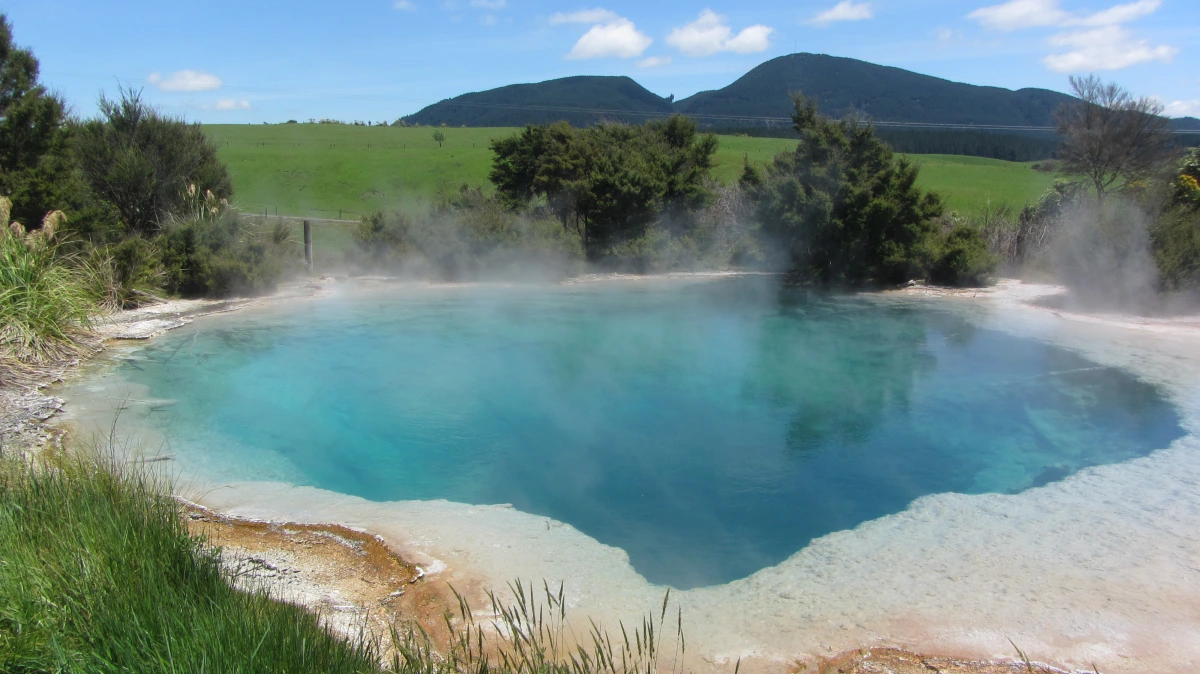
(340, 171)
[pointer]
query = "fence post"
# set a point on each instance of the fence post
(308, 245)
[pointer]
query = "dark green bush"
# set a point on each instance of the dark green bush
(213, 251)
(963, 258)
(217, 257)
(842, 209)
(608, 183)
(142, 162)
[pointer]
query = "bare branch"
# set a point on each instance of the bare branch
(1111, 138)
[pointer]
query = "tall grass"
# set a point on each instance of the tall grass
(99, 574)
(46, 298)
(531, 635)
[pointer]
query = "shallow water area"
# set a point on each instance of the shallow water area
(708, 428)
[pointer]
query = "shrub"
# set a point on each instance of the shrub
(608, 183)
(468, 236)
(212, 251)
(46, 298)
(127, 274)
(962, 258)
(1175, 239)
(381, 238)
(843, 209)
(141, 162)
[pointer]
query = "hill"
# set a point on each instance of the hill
(758, 104)
(840, 85)
(581, 101)
(843, 85)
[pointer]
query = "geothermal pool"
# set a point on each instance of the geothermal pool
(709, 428)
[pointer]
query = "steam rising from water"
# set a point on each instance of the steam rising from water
(709, 429)
(1102, 252)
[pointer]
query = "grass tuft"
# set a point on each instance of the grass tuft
(99, 574)
(532, 635)
(46, 300)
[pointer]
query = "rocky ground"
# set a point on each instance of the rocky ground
(893, 661)
(351, 578)
(360, 586)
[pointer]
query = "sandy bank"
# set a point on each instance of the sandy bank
(1103, 567)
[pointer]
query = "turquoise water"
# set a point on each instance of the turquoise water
(709, 428)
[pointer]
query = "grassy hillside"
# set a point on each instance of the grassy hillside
(332, 170)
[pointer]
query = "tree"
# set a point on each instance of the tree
(1110, 138)
(35, 167)
(439, 137)
(610, 181)
(843, 209)
(143, 162)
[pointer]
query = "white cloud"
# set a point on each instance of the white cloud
(709, 35)
(1121, 13)
(618, 38)
(1021, 14)
(489, 4)
(654, 62)
(185, 80)
(232, 104)
(488, 20)
(405, 5)
(1107, 48)
(846, 10)
(1017, 14)
(597, 15)
(1086, 42)
(1182, 108)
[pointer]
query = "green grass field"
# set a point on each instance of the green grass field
(334, 170)
(971, 183)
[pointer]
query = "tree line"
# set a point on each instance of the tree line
(108, 213)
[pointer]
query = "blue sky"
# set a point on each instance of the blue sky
(250, 61)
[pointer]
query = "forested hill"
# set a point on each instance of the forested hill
(841, 85)
(573, 99)
(758, 103)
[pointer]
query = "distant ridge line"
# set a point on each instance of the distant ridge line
(753, 118)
